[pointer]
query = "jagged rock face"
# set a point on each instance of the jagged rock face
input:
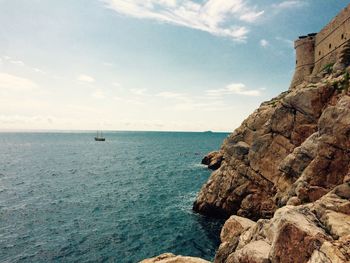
(314, 233)
(213, 160)
(171, 258)
(288, 168)
(294, 149)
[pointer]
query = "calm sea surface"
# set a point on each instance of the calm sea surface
(66, 198)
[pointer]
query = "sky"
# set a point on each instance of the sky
(165, 65)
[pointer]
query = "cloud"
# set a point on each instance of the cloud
(17, 62)
(98, 94)
(217, 17)
(12, 82)
(38, 70)
(289, 4)
(251, 16)
(21, 119)
(232, 89)
(138, 92)
(85, 78)
(22, 64)
(264, 43)
(13, 61)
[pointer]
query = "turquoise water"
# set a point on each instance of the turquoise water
(67, 198)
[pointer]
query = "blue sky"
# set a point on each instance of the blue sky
(184, 65)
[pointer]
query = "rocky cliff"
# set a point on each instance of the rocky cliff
(293, 149)
(287, 167)
(283, 178)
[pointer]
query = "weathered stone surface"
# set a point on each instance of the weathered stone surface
(314, 232)
(254, 252)
(225, 250)
(234, 227)
(171, 258)
(338, 252)
(213, 160)
(288, 166)
(338, 224)
(309, 100)
(302, 161)
(287, 148)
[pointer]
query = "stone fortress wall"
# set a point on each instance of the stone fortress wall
(315, 51)
(305, 57)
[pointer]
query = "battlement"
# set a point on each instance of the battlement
(316, 50)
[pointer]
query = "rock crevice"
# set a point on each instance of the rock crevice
(286, 169)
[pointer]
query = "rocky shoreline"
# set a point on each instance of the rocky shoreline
(292, 150)
(284, 178)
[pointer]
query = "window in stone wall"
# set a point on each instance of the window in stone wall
(342, 36)
(330, 46)
(319, 53)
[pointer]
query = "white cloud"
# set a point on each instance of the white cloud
(12, 82)
(264, 43)
(21, 119)
(234, 88)
(17, 62)
(138, 92)
(289, 4)
(217, 17)
(251, 16)
(38, 70)
(98, 94)
(21, 63)
(85, 78)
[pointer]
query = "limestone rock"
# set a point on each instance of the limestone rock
(314, 232)
(255, 252)
(338, 224)
(213, 160)
(295, 238)
(287, 167)
(234, 226)
(293, 147)
(171, 258)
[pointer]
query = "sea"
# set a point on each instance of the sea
(66, 198)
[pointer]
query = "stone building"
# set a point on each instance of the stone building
(330, 46)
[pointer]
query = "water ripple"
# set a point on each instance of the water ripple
(65, 198)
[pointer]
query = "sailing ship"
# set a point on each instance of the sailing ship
(99, 137)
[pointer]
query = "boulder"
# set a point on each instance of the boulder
(254, 252)
(171, 258)
(234, 227)
(314, 232)
(213, 160)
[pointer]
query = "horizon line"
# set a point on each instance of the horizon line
(90, 131)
